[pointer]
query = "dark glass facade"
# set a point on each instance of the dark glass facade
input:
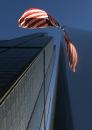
(26, 67)
(74, 91)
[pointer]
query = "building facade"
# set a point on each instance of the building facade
(26, 72)
(74, 91)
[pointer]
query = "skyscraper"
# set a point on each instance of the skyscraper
(26, 67)
(74, 91)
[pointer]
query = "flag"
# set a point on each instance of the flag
(71, 52)
(36, 18)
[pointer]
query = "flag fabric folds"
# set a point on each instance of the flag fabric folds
(71, 52)
(36, 18)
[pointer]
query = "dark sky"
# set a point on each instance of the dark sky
(74, 13)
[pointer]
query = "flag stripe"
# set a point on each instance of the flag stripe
(45, 25)
(35, 15)
(30, 12)
(53, 21)
(42, 24)
(32, 24)
(27, 21)
(74, 55)
(76, 58)
(38, 24)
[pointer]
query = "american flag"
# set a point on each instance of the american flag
(36, 18)
(71, 52)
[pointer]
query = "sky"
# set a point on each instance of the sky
(69, 12)
(72, 13)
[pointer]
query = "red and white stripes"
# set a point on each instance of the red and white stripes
(71, 52)
(73, 56)
(33, 18)
(36, 18)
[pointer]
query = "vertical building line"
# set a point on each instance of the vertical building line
(44, 85)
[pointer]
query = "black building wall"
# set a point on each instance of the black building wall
(74, 90)
(26, 69)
